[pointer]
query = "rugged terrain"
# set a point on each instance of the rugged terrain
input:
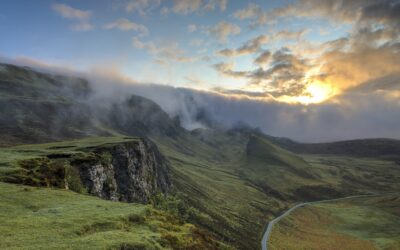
(216, 188)
(113, 168)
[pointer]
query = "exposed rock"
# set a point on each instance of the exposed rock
(131, 171)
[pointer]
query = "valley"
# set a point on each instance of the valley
(120, 173)
(357, 223)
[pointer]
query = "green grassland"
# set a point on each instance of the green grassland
(237, 183)
(231, 183)
(206, 176)
(44, 218)
(226, 183)
(360, 223)
(11, 157)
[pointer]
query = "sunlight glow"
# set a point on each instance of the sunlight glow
(315, 92)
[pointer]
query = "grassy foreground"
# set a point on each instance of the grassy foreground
(228, 185)
(361, 223)
(43, 218)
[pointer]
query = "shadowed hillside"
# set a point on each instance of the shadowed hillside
(226, 182)
(38, 107)
(357, 148)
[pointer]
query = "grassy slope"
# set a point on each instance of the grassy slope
(10, 156)
(227, 178)
(43, 218)
(362, 223)
(374, 148)
(274, 169)
(233, 188)
(206, 175)
(108, 224)
(356, 175)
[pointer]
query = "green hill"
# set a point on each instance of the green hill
(388, 148)
(225, 183)
(360, 223)
(44, 218)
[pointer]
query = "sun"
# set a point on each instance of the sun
(316, 92)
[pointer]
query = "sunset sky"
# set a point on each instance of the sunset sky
(305, 52)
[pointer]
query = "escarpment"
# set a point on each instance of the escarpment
(130, 171)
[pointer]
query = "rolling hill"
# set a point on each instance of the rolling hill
(223, 184)
(359, 223)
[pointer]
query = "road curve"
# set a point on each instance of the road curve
(267, 233)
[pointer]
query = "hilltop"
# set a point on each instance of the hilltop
(220, 185)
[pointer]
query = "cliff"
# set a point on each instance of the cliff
(130, 170)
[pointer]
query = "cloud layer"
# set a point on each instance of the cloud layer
(81, 16)
(293, 72)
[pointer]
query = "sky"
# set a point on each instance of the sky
(319, 59)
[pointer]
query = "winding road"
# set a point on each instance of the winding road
(267, 233)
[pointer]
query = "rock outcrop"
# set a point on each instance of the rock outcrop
(131, 171)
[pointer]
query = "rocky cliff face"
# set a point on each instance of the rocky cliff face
(131, 171)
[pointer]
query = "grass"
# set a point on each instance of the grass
(43, 218)
(357, 175)
(275, 169)
(232, 183)
(361, 223)
(11, 157)
(237, 186)
(206, 175)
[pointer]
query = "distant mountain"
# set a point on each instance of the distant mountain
(358, 148)
(228, 182)
(39, 107)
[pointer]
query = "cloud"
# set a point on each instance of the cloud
(370, 49)
(197, 42)
(370, 110)
(82, 16)
(346, 69)
(284, 76)
(186, 7)
(191, 28)
(84, 26)
(71, 13)
(213, 4)
(254, 45)
(193, 80)
(289, 35)
(143, 7)
(223, 30)
(163, 52)
(126, 25)
(252, 12)
(263, 59)
(361, 11)
(228, 70)
(279, 74)
(250, 47)
(355, 11)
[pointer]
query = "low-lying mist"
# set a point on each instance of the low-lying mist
(369, 112)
